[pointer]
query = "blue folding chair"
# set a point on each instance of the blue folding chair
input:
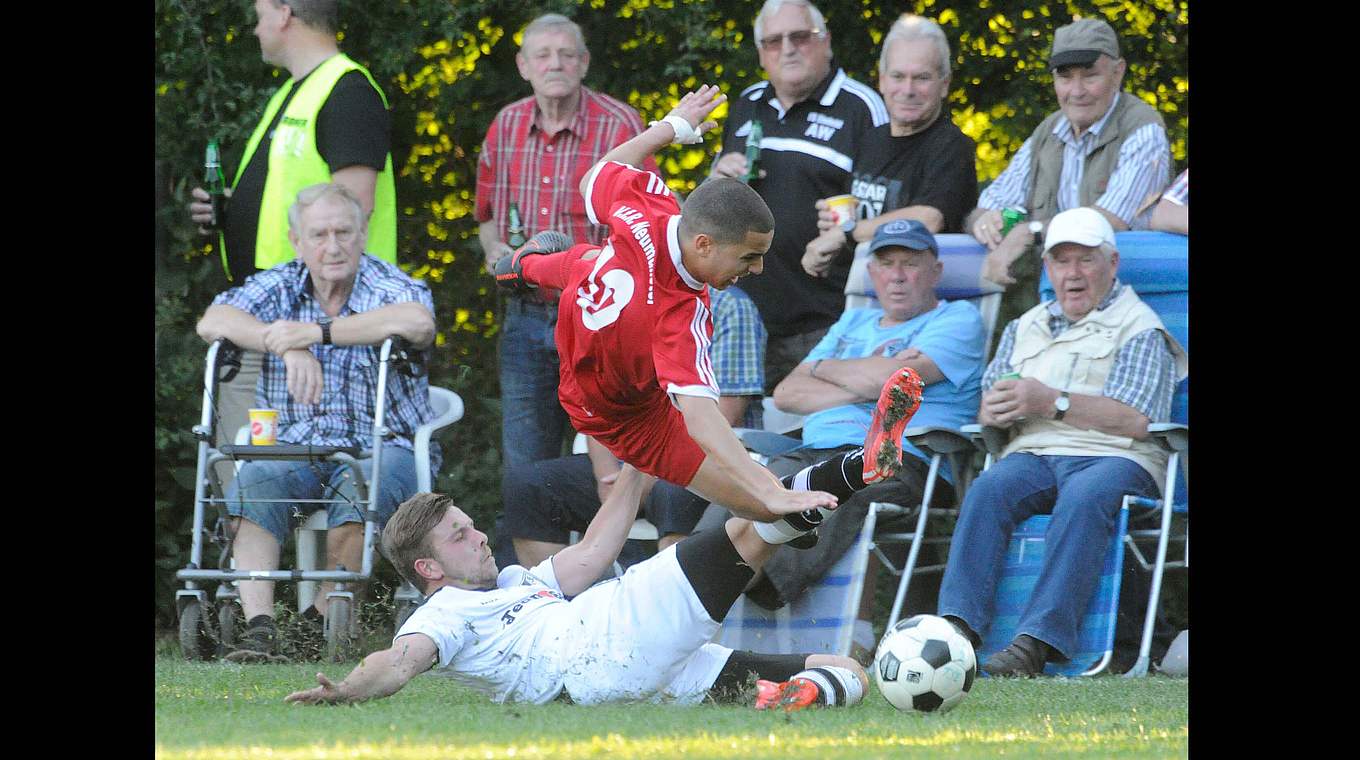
(1024, 561)
(822, 619)
(1155, 265)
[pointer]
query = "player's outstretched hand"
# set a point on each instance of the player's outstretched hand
(694, 108)
(789, 502)
(326, 693)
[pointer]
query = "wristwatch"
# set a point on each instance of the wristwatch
(1036, 228)
(325, 323)
(1062, 403)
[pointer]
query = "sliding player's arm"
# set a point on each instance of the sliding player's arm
(378, 675)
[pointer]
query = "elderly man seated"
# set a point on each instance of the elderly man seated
(1076, 381)
(837, 384)
(316, 319)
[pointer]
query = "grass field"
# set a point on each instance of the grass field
(222, 710)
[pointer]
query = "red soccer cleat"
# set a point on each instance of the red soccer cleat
(794, 694)
(899, 400)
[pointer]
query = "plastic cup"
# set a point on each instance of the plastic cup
(844, 206)
(264, 427)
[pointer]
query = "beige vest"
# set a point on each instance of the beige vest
(1046, 155)
(1078, 361)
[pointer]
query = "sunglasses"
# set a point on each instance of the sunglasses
(799, 39)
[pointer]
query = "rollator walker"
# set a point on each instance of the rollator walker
(208, 630)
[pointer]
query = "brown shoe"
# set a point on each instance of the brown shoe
(1024, 658)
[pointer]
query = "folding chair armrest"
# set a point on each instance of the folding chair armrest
(1171, 436)
(766, 443)
(939, 440)
(988, 439)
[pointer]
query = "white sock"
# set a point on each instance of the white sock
(840, 687)
(781, 531)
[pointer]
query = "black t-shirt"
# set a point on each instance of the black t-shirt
(352, 129)
(807, 153)
(934, 167)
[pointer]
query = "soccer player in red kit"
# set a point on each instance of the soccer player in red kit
(634, 326)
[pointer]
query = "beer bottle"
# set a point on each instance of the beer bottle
(516, 230)
(214, 182)
(753, 151)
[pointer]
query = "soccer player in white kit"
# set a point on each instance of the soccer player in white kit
(544, 633)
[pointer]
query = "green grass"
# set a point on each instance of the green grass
(222, 710)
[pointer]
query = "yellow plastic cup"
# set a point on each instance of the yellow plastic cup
(845, 207)
(264, 427)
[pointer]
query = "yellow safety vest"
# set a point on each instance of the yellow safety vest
(294, 163)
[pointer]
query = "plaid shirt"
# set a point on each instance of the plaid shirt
(738, 350)
(345, 415)
(1143, 375)
(542, 172)
(1179, 192)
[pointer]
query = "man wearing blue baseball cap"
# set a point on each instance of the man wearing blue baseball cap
(838, 383)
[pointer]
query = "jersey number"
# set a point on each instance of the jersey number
(602, 297)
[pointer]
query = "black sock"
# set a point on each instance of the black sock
(840, 476)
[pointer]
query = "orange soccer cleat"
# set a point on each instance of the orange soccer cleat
(793, 694)
(898, 401)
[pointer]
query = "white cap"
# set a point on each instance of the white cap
(1084, 226)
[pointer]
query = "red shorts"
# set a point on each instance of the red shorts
(655, 440)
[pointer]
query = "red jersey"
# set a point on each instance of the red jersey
(633, 326)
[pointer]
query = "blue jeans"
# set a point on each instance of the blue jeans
(532, 419)
(263, 479)
(1083, 494)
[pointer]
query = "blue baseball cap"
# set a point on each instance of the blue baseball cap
(907, 233)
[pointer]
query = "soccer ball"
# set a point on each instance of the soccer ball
(923, 663)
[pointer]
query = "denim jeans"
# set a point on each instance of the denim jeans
(1083, 494)
(262, 479)
(532, 419)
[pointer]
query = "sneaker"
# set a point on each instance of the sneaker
(1024, 658)
(510, 269)
(794, 694)
(259, 643)
(898, 401)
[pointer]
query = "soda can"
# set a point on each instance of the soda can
(1011, 217)
(264, 427)
(845, 207)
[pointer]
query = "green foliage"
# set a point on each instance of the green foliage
(447, 67)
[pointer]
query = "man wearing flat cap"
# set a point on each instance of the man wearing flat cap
(837, 385)
(1095, 367)
(1103, 148)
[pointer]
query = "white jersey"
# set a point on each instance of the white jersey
(642, 637)
(493, 640)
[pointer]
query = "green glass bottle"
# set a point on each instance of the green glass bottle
(214, 182)
(753, 151)
(516, 230)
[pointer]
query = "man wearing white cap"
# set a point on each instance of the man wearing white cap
(1096, 366)
(1102, 148)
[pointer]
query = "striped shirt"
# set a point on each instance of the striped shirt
(1143, 375)
(348, 397)
(1141, 168)
(1179, 192)
(542, 173)
(738, 349)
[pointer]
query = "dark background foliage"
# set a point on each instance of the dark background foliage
(447, 67)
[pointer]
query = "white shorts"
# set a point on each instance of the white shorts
(642, 637)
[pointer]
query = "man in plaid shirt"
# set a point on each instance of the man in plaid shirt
(535, 153)
(316, 319)
(1095, 366)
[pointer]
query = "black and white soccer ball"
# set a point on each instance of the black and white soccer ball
(923, 663)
